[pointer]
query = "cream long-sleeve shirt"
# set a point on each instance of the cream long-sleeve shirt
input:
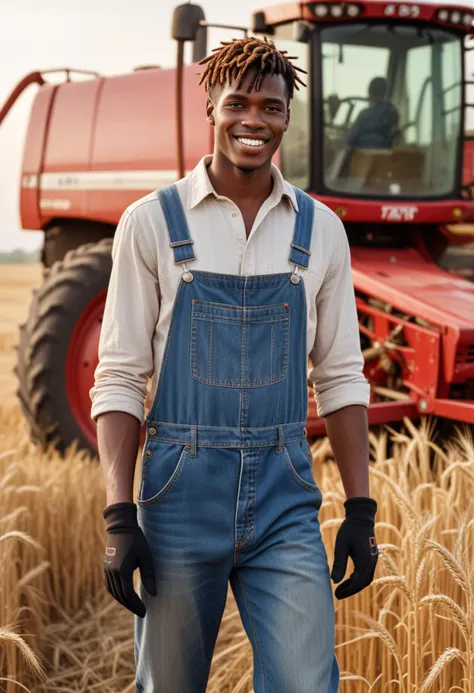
(144, 281)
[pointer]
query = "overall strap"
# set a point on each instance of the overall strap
(301, 243)
(178, 230)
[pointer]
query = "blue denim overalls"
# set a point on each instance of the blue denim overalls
(227, 491)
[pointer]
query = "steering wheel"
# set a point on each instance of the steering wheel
(334, 103)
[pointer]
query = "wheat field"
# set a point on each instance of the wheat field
(411, 631)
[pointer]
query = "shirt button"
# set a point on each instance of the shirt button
(152, 431)
(148, 453)
(234, 214)
(239, 238)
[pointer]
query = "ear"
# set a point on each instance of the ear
(210, 112)
(287, 120)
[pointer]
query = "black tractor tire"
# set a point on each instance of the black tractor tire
(69, 235)
(68, 287)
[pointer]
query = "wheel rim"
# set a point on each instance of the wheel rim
(81, 362)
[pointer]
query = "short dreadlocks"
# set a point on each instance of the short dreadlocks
(237, 58)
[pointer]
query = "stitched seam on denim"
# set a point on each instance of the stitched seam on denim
(239, 279)
(237, 507)
(257, 643)
(294, 473)
(271, 350)
(169, 484)
(253, 428)
(233, 444)
(243, 355)
(209, 369)
(241, 543)
(240, 386)
(230, 306)
(212, 317)
(303, 343)
(192, 344)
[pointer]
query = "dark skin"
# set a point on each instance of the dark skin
(238, 171)
(243, 174)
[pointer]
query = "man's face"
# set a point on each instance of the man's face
(249, 127)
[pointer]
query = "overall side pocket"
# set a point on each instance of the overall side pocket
(160, 470)
(299, 464)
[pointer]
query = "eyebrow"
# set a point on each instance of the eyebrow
(244, 97)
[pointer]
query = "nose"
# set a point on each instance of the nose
(253, 119)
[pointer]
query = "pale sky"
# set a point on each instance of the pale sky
(108, 36)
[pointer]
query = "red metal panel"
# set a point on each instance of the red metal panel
(283, 12)
(379, 413)
(136, 130)
(377, 9)
(107, 205)
(468, 165)
(418, 356)
(33, 157)
(455, 409)
(136, 124)
(69, 138)
(398, 211)
(413, 285)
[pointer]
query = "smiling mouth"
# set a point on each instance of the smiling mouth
(251, 142)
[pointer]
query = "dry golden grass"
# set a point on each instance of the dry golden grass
(16, 284)
(411, 631)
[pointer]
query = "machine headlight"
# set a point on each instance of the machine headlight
(467, 19)
(353, 10)
(336, 10)
(455, 17)
(320, 10)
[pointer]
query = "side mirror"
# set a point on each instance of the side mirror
(259, 25)
(302, 31)
(186, 22)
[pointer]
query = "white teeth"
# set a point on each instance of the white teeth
(251, 143)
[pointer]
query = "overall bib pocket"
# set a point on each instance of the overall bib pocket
(232, 346)
(299, 465)
(160, 470)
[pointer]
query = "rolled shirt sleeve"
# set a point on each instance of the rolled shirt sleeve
(338, 363)
(130, 316)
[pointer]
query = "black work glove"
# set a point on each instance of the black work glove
(356, 538)
(126, 550)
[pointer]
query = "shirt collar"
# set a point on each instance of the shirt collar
(201, 187)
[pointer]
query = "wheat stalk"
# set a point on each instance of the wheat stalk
(441, 663)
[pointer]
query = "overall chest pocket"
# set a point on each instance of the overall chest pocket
(239, 347)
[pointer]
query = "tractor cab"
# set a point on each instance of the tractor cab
(383, 117)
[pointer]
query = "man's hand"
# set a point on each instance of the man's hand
(126, 550)
(356, 538)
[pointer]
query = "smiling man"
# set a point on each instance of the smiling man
(221, 287)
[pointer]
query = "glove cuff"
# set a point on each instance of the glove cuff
(120, 516)
(361, 508)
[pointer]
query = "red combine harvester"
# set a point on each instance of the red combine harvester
(95, 145)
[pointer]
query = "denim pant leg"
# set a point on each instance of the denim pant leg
(190, 531)
(282, 583)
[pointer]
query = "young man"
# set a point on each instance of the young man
(221, 286)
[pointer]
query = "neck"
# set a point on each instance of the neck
(240, 184)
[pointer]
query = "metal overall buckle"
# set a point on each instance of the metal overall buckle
(187, 275)
(295, 277)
